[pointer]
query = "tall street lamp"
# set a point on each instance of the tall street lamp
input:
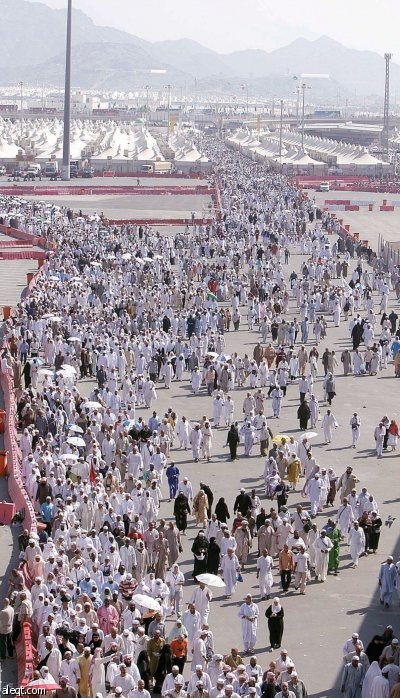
(21, 85)
(304, 87)
(246, 87)
(280, 136)
(67, 100)
(169, 88)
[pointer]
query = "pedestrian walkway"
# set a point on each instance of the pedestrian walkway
(8, 560)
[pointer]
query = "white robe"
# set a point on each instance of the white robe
(357, 543)
(265, 579)
(249, 615)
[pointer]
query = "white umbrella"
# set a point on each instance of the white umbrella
(211, 579)
(76, 441)
(36, 360)
(309, 435)
(75, 428)
(146, 602)
(126, 255)
(67, 368)
(46, 372)
(55, 318)
(95, 264)
(92, 405)
(69, 456)
(73, 339)
(212, 354)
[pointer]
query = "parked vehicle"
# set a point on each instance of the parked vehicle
(324, 186)
(88, 172)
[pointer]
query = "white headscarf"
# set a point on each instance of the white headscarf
(276, 606)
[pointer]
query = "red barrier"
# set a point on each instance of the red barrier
(26, 655)
(34, 240)
(159, 221)
(7, 512)
(386, 208)
(94, 190)
(352, 207)
(22, 254)
(337, 202)
(16, 488)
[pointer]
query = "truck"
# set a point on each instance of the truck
(50, 169)
(159, 167)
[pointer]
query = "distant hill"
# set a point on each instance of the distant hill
(32, 40)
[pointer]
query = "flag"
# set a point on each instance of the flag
(92, 475)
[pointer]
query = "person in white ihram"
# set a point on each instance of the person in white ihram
(322, 546)
(356, 542)
(328, 423)
(248, 613)
(264, 574)
(355, 424)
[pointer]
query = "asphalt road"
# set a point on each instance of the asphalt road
(316, 625)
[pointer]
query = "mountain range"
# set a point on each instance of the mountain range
(32, 49)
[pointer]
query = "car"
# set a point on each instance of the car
(3, 170)
(73, 170)
(323, 186)
(88, 172)
(16, 172)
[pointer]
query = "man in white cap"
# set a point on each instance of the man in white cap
(322, 545)
(390, 653)
(387, 581)
(353, 674)
(170, 680)
(248, 613)
(350, 644)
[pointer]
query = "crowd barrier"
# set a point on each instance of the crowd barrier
(158, 222)
(25, 651)
(34, 240)
(101, 190)
(26, 655)
(22, 254)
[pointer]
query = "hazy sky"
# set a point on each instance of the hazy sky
(226, 25)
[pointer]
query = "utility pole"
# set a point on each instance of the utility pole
(385, 133)
(147, 88)
(169, 88)
(280, 136)
(67, 100)
(21, 85)
(304, 87)
(297, 105)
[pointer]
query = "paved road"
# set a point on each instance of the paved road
(369, 224)
(137, 207)
(316, 625)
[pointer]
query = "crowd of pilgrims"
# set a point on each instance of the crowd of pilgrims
(133, 310)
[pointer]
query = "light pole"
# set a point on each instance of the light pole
(297, 104)
(169, 88)
(246, 87)
(280, 136)
(21, 84)
(67, 100)
(147, 88)
(304, 87)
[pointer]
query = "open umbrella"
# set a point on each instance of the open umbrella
(278, 438)
(76, 441)
(36, 360)
(223, 357)
(73, 339)
(74, 428)
(211, 354)
(211, 580)
(146, 602)
(69, 457)
(40, 686)
(46, 372)
(126, 256)
(92, 405)
(309, 435)
(211, 296)
(55, 318)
